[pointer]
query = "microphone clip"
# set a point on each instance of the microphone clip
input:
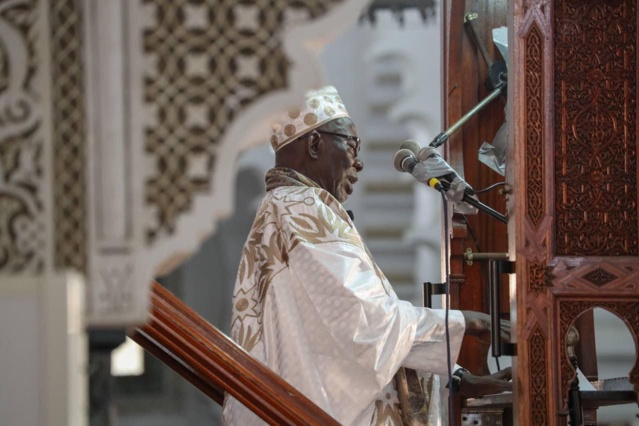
(437, 185)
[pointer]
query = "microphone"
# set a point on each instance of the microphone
(439, 168)
(411, 145)
(430, 165)
(404, 160)
(430, 168)
(456, 189)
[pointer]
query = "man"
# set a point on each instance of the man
(311, 303)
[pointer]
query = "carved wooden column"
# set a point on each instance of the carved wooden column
(574, 68)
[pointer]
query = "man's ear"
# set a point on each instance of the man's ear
(313, 145)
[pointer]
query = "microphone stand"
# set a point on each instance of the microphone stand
(484, 208)
(467, 198)
(442, 138)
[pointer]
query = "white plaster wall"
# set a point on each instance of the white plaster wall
(20, 349)
(43, 351)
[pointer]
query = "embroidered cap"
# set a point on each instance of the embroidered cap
(320, 106)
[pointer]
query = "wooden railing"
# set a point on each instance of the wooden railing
(215, 364)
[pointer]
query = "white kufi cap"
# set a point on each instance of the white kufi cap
(320, 106)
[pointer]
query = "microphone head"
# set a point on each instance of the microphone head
(400, 157)
(411, 145)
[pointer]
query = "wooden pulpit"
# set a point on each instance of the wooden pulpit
(571, 193)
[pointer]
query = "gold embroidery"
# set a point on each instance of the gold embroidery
(266, 252)
(241, 305)
(386, 413)
(262, 261)
(430, 382)
(413, 401)
(247, 339)
(324, 227)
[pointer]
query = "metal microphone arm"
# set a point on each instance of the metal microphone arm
(442, 138)
(484, 208)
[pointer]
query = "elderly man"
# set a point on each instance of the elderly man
(310, 302)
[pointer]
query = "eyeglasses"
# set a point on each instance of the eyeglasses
(355, 139)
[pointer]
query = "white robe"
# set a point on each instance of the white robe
(311, 304)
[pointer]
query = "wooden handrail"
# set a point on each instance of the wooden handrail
(215, 364)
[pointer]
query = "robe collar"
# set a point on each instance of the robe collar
(282, 176)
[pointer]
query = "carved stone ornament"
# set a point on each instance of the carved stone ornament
(177, 89)
(22, 136)
(69, 135)
(42, 134)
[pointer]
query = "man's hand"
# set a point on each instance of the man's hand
(476, 386)
(478, 325)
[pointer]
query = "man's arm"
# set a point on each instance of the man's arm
(472, 386)
(478, 326)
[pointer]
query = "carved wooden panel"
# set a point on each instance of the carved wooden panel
(530, 129)
(577, 225)
(535, 194)
(595, 76)
(538, 368)
(537, 276)
(594, 279)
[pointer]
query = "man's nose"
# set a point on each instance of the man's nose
(359, 165)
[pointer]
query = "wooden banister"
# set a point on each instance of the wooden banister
(215, 364)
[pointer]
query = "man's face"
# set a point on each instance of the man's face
(339, 164)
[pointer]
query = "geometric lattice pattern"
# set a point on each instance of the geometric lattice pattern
(206, 61)
(600, 277)
(595, 69)
(69, 135)
(21, 140)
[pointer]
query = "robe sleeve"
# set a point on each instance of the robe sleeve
(348, 298)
